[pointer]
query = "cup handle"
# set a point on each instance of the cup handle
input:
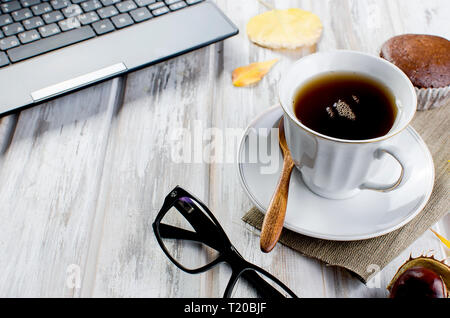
(404, 174)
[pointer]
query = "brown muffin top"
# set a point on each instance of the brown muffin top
(424, 58)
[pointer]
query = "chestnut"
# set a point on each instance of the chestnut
(419, 282)
(422, 277)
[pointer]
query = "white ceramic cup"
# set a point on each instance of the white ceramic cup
(338, 168)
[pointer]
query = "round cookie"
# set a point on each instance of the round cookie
(285, 29)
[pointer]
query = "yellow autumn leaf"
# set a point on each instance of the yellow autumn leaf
(443, 239)
(285, 29)
(252, 73)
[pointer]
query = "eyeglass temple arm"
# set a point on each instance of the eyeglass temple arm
(172, 232)
(205, 228)
(264, 289)
(199, 221)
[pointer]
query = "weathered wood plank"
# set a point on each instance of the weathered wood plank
(139, 172)
(7, 128)
(50, 173)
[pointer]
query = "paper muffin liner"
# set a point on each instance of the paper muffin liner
(429, 98)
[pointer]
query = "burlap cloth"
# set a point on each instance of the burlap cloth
(356, 256)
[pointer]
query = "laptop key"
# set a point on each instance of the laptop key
(5, 19)
(140, 14)
(160, 11)
(49, 30)
(109, 2)
(144, 3)
(59, 4)
(10, 6)
(29, 3)
(22, 14)
(51, 43)
(103, 26)
(29, 36)
(72, 11)
(69, 24)
(107, 12)
(156, 5)
(3, 59)
(91, 5)
(178, 6)
(122, 20)
(169, 2)
(9, 42)
(191, 2)
(126, 6)
(53, 17)
(88, 18)
(41, 8)
(13, 29)
(1, 35)
(33, 23)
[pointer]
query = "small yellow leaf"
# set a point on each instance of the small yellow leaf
(252, 73)
(443, 239)
(285, 29)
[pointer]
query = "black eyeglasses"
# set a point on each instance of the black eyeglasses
(193, 240)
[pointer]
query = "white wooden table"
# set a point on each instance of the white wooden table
(83, 176)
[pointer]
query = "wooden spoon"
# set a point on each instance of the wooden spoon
(274, 218)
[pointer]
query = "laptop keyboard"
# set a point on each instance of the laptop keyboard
(32, 27)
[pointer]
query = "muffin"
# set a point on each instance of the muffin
(425, 59)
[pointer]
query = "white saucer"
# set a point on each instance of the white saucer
(367, 215)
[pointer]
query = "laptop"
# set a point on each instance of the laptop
(52, 47)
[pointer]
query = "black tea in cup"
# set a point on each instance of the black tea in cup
(346, 106)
